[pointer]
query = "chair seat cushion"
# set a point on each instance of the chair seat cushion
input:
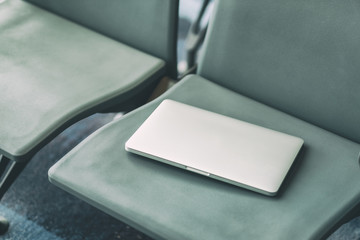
(170, 203)
(52, 69)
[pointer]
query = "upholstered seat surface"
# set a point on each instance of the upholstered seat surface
(170, 203)
(52, 69)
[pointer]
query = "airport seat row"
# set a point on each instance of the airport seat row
(286, 65)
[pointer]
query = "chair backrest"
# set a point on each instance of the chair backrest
(299, 56)
(150, 26)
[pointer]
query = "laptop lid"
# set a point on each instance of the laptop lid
(216, 146)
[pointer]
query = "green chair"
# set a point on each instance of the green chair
(288, 65)
(64, 60)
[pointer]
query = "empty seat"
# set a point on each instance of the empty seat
(74, 59)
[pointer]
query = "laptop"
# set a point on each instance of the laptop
(216, 146)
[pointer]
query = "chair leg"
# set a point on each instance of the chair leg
(4, 225)
(9, 171)
(3, 164)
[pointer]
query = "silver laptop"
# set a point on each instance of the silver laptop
(216, 146)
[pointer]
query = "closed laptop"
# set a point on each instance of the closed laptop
(216, 146)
